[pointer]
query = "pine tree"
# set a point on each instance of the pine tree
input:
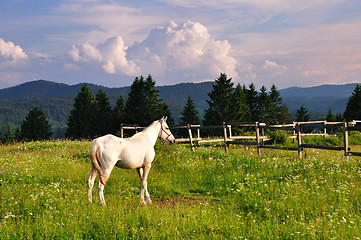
(285, 116)
(189, 114)
(275, 106)
(339, 117)
(8, 137)
(36, 126)
(164, 111)
(118, 114)
(143, 104)
(220, 104)
(103, 114)
(135, 106)
(17, 134)
(263, 103)
(353, 107)
(80, 120)
(239, 103)
(330, 117)
(154, 105)
(252, 102)
(302, 115)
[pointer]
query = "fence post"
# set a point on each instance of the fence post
(257, 138)
(230, 131)
(299, 142)
(345, 139)
(225, 137)
(121, 131)
(190, 136)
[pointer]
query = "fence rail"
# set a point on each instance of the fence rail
(195, 139)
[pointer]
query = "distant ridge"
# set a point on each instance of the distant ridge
(326, 90)
(44, 89)
(56, 98)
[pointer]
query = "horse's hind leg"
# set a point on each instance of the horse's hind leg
(91, 179)
(140, 173)
(106, 173)
(101, 192)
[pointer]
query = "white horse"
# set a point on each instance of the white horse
(128, 153)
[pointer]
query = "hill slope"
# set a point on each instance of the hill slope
(56, 99)
(318, 98)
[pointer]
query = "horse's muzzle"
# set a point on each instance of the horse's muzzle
(171, 141)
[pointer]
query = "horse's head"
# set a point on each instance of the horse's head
(165, 132)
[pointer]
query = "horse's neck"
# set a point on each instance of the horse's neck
(152, 132)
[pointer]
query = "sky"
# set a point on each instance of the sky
(110, 42)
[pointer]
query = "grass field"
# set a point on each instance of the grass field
(205, 194)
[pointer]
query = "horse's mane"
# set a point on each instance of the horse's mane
(150, 126)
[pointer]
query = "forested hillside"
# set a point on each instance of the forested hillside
(56, 99)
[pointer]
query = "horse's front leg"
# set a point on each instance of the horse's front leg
(144, 188)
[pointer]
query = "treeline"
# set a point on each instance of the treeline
(34, 127)
(93, 116)
(241, 104)
(56, 108)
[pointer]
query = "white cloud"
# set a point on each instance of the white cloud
(111, 54)
(174, 51)
(274, 68)
(10, 54)
(188, 49)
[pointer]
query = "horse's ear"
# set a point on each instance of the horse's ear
(165, 119)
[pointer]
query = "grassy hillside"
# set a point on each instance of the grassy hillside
(202, 195)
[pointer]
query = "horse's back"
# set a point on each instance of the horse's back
(124, 152)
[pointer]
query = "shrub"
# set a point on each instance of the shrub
(278, 136)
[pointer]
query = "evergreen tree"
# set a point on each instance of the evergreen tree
(164, 111)
(239, 103)
(135, 106)
(302, 115)
(36, 126)
(252, 102)
(353, 107)
(118, 114)
(189, 114)
(143, 105)
(275, 106)
(220, 104)
(330, 117)
(17, 135)
(285, 116)
(154, 105)
(263, 104)
(103, 114)
(339, 117)
(8, 137)
(80, 120)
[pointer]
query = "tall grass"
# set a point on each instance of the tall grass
(202, 195)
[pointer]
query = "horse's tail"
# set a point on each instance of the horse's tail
(95, 158)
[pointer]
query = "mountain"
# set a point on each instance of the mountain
(56, 99)
(319, 98)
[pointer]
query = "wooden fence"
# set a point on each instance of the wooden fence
(194, 135)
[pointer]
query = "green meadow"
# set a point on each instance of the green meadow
(206, 194)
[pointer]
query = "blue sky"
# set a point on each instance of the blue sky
(281, 42)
